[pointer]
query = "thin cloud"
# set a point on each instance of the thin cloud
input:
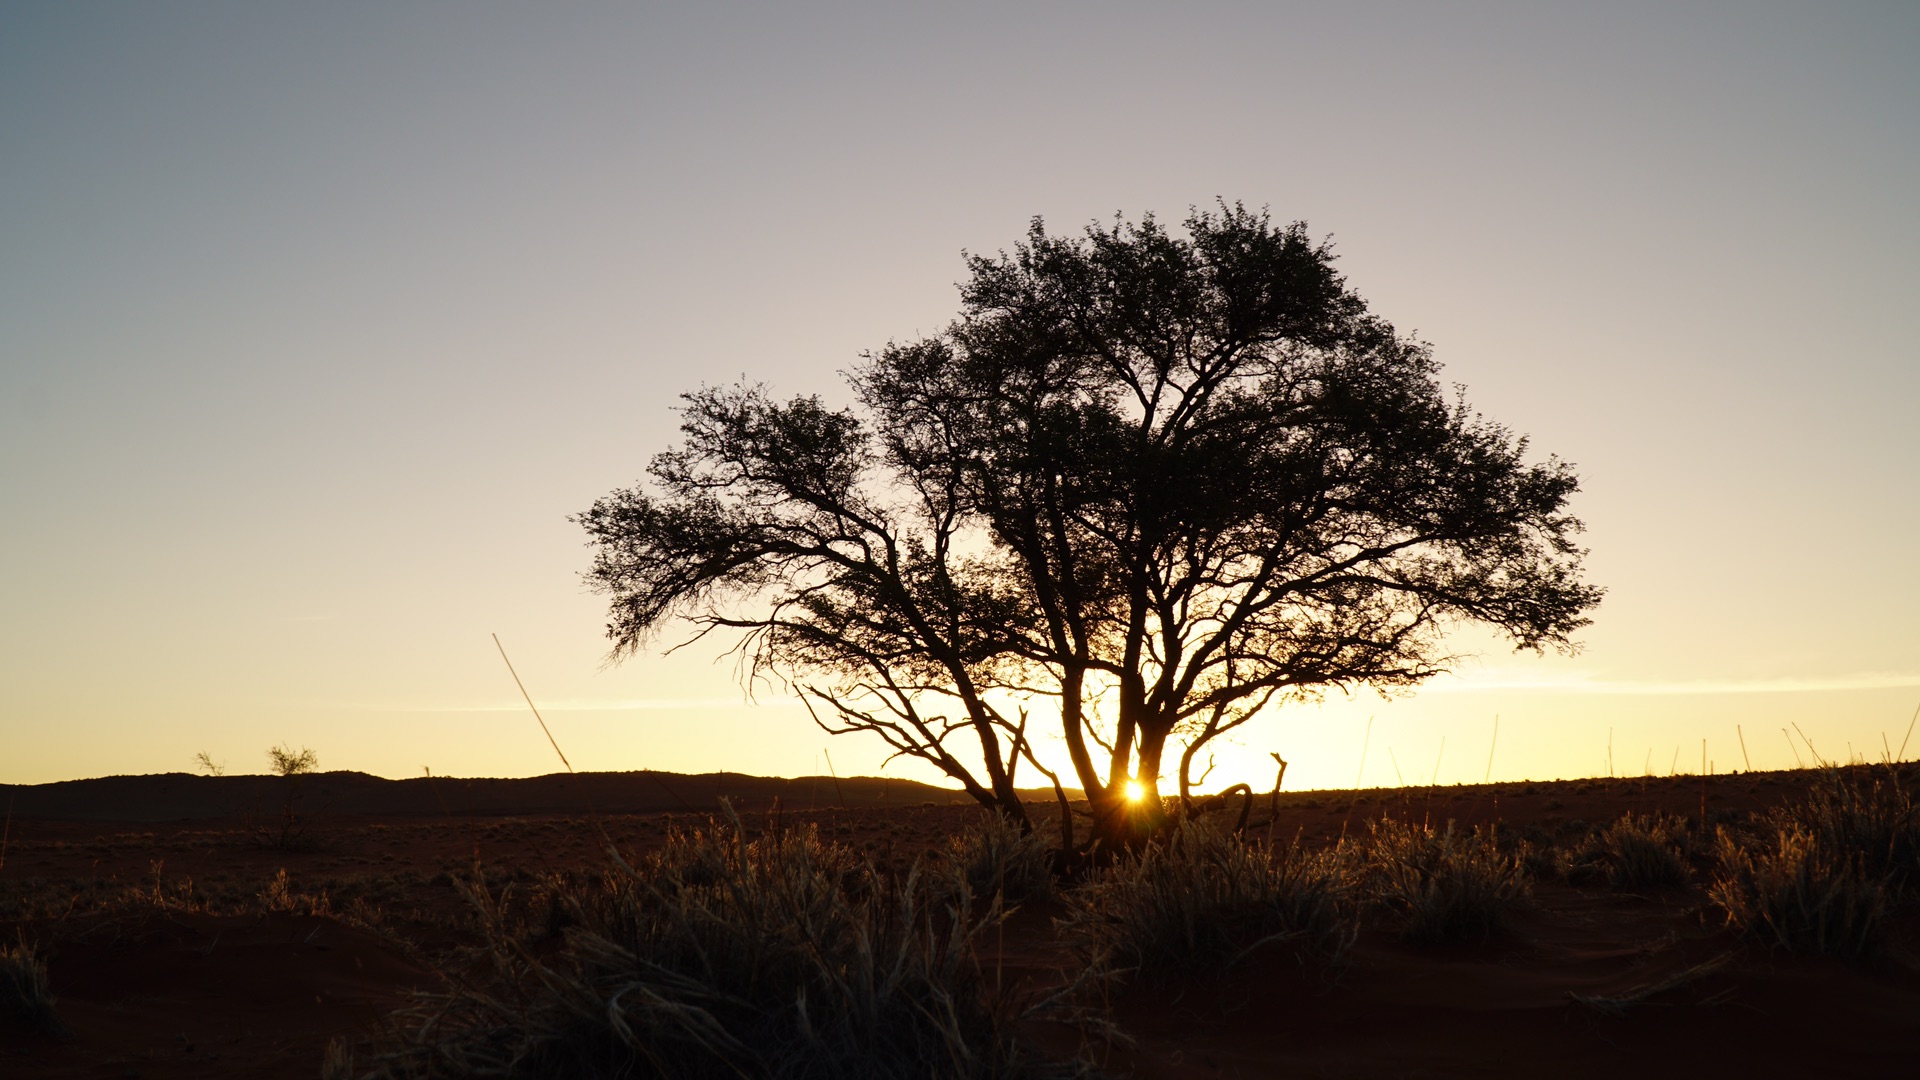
(1491, 681)
(1578, 685)
(649, 704)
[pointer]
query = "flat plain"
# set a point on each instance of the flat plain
(193, 927)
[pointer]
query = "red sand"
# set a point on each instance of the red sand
(155, 992)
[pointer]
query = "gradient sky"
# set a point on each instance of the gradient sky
(316, 321)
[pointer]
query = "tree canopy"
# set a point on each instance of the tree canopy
(1147, 484)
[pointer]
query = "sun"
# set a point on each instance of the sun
(1135, 792)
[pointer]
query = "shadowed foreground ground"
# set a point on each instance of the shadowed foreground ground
(191, 948)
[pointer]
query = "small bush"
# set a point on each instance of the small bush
(1198, 899)
(1446, 886)
(284, 760)
(719, 956)
(1794, 892)
(291, 831)
(1000, 860)
(24, 990)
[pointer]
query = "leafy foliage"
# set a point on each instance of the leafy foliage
(1156, 481)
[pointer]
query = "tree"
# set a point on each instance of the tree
(1154, 483)
(293, 766)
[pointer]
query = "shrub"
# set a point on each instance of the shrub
(286, 761)
(1198, 899)
(25, 991)
(290, 831)
(1446, 886)
(1795, 892)
(782, 956)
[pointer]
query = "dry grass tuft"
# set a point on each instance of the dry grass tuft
(1865, 815)
(999, 860)
(1447, 886)
(721, 956)
(1824, 872)
(25, 991)
(1639, 851)
(1796, 893)
(1199, 899)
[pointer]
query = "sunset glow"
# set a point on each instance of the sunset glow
(316, 324)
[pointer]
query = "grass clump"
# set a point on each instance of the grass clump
(1198, 899)
(999, 859)
(1823, 873)
(1639, 851)
(25, 991)
(1795, 892)
(721, 956)
(1445, 885)
(1860, 815)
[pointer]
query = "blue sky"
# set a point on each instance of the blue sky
(316, 322)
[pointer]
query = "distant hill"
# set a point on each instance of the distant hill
(185, 797)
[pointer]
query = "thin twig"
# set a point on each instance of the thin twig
(1817, 759)
(837, 793)
(1618, 1004)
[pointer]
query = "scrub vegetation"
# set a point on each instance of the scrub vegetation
(874, 944)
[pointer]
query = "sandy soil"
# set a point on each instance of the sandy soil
(155, 981)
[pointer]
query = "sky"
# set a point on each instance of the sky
(317, 322)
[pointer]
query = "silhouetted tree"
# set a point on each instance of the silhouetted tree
(1156, 482)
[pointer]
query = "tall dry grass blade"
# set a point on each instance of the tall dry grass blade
(536, 709)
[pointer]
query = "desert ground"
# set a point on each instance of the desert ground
(238, 926)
